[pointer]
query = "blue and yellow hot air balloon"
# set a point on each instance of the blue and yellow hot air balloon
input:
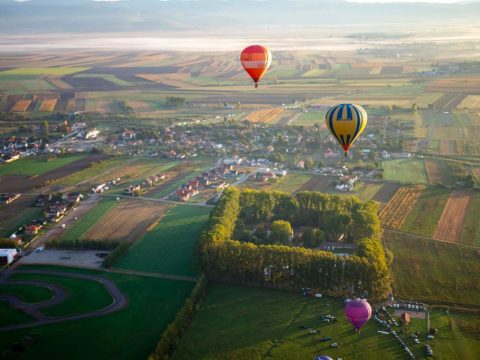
(346, 122)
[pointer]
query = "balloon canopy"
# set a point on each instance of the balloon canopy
(323, 357)
(346, 122)
(358, 312)
(256, 60)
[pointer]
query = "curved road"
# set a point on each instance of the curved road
(119, 300)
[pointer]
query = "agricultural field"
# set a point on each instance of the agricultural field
(153, 304)
(385, 193)
(451, 221)
(424, 217)
(319, 183)
(82, 226)
(471, 226)
(291, 183)
(125, 222)
(393, 215)
(367, 191)
(405, 170)
(264, 116)
(169, 246)
(428, 270)
(14, 217)
(310, 119)
(48, 105)
(59, 71)
(437, 171)
(35, 166)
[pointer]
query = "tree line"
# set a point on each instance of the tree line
(284, 267)
(170, 338)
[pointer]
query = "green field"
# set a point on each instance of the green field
(128, 334)
(76, 231)
(109, 77)
(471, 227)
(291, 182)
(168, 248)
(366, 191)
(9, 316)
(20, 219)
(429, 270)
(34, 166)
(310, 118)
(267, 325)
(84, 295)
(28, 294)
(93, 170)
(405, 170)
(424, 216)
(44, 71)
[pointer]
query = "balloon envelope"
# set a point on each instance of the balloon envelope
(358, 312)
(323, 357)
(346, 122)
(256, 60)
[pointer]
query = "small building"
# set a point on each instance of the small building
(7, 256)
(32, 229)
(405, 318)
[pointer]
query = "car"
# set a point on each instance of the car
(416, 341)
(334, 345)
(326, 338)
(430, 337)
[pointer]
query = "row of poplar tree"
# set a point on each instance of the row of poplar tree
(285, 267)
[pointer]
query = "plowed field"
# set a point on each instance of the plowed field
(126, 222)
(451, 222)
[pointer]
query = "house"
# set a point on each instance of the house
(128, 135)
(7, 256)
(185, 195)
(405, 318)
(92, 134)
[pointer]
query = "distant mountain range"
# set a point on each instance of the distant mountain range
(87, 16)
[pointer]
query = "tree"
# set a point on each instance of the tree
(281, 232)
(174, 101)
(309, 163)
(44, 129)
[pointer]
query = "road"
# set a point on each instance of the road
(68, 220)
(119, 300)
(144, 198)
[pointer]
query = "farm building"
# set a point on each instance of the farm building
(405, 318)
(7, 256)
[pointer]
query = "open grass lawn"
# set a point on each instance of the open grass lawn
(85, 295)
(249, 323)
(34, 166)
(75, 232)
(28, 294)
(168, 248)
(405, 170)
(429, 270)
(128, 334)
(471, 227)
(291, 183)
(9, 316)
(424, 216)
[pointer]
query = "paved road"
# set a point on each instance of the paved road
(69, 219)
(157, 200)
(119, 300)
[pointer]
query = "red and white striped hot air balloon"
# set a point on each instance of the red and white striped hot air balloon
(256, 60)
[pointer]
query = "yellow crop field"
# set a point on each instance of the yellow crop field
(470, 102)
(265, 116)
(21, 106)
(48, 105)
(395, 212)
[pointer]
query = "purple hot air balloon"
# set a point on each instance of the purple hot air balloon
(323, 357)
(358, 312)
